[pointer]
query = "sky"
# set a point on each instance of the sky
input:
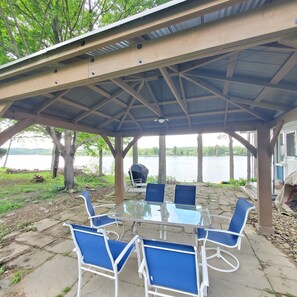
(190, 140)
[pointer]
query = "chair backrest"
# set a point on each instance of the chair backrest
(185, 194)
(155, 192)
(88, 203)
(92, 246)
(240, 215)
(170, 265)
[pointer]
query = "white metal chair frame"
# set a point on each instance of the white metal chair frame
(111, 274)
(220, 253)
(90, 217)
(153, 289)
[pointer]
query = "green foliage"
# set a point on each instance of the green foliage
(18, 276)
(2, 269)
(66, 290)
(2, 152)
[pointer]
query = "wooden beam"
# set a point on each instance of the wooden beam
(222, 96)
(14, 129)
(3, 108)
(130, 144)
(248, 81)
(108, 142)
(243, 141)
(276, 132)
(180, 80)
(264, 181)
(119, 170)
(136, 95)
(263, 25)
(173, 89)
(17, 114)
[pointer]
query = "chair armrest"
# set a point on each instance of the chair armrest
(222, 231)
(124, 251)
(98, 216)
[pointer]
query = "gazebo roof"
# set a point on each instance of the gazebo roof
(206, 66)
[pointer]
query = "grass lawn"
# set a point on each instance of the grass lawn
(19, 189)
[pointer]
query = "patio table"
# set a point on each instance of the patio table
(168, 214)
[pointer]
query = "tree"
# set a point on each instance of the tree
(29, 25)
(2, 152)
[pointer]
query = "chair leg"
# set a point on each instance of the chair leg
(116, 286)
(220, 254)
(79, 280)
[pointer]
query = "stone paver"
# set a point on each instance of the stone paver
(61, 246)
(264, 269)
(35, 239)
(44, 224)
(51, 278)
(32, 259)
(12, 250)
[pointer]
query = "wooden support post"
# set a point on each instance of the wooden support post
(264, 181)
(119, 169)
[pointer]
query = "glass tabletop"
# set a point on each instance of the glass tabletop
(162, 213)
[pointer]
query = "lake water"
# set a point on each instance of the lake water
(215, 169)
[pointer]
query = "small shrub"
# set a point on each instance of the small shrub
(66, 290)
(18, 276)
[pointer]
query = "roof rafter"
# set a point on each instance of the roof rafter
(264, 25)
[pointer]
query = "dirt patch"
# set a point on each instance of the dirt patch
(285, 232)
(20, 219)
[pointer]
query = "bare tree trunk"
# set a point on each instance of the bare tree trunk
(55, 161)
(68, 155)
(7, 153)
(248, 176)
(100, 162)
(69, 171)
(135, 153)
(231, 158)
(162, 160)
(200, 158)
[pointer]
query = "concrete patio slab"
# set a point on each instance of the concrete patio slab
(51, 278)
(284, 286)
(62, 246)
(264, 272)
(35, 239)
(12, 250)
(45, 224)
(32, 259)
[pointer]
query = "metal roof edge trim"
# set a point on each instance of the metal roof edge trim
(119, 23)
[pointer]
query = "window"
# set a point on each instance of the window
(291, 144)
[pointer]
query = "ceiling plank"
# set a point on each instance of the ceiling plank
(180, 80)
(267, 24)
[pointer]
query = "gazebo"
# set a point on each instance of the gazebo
(184, 67)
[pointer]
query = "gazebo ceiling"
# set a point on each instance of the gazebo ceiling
(210, 66)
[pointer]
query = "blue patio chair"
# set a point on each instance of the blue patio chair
(98, 221)
(98, 254)
(185, 194)
(170, 268)
(230, 238)
(155, 192)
